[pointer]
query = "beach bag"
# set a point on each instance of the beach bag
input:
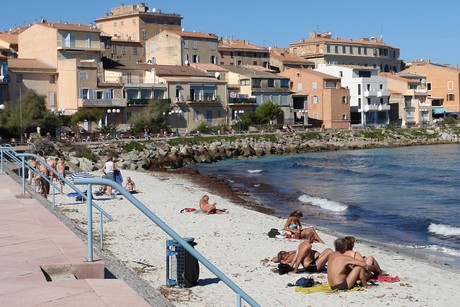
(284, 268)
(303, 282)
(273, 233)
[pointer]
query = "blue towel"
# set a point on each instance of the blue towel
(118, 177)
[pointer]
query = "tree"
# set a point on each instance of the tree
(154, 116)
(91, 115)
(268, 112)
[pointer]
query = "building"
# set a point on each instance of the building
(249, 87)
(442, 84)
(369, 95)
(319, 100)
(4, 91)
(240, 52)
(281, 59)
(125, 52)
(181, 48)
(137, 23)
(408, 99)
(8, 45)
(367, 52)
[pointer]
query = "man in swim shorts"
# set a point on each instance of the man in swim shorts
(343, 271)
(310, 259)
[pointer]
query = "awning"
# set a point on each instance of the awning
(441, 110)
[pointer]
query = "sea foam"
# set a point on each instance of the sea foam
(252, 171)
(323, 203)
(436, 248)
(444, 230)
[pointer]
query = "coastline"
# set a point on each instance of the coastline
(238, 245)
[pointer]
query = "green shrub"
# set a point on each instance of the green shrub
(133, 145)
(82, 151)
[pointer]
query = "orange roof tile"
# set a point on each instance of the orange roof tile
(240, 44)
(341, 41)
(70, 26)
(399, 78)
(9, 38)
(194, 34)
(208, 66)
(28, 64)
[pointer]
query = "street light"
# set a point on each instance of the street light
(114, 111)
(58, 112)
(178, 113)
(304, 117)
(240, 112)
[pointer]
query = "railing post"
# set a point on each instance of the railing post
(101, 232)
(1, 150)
(23, 176)
(89, 200)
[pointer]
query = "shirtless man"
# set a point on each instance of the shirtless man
(208, 208)
(310, 259)
(343, 271)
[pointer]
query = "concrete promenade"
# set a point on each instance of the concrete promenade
(42, 262)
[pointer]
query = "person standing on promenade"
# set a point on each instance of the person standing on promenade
(343, 271)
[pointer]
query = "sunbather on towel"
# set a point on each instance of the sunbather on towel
(343, 271)
(208, 208)
(294, 226)
(372, 264)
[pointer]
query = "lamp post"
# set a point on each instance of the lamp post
(240, 114)
(304, 117)
(114, 111)
(58, 112)
(178, 113)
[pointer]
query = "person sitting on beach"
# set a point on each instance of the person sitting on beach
(208, 208)
(343, 271)
(373, 267)
(294, 226)
(130, 186)
(313, 261)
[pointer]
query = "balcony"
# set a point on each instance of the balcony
(203, 100)
(102, 103)
(80, 45)
(376, 107)
(242, 100)
(376, 93)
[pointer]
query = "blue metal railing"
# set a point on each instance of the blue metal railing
(23, 166)
(98, 181)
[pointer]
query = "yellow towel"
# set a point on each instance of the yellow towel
(323, 288)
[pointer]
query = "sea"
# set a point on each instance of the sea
(406, 198)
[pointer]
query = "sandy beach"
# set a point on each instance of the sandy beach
(238, 244)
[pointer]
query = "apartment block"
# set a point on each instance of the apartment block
(241, 52)
(281, 59)
(367, 52)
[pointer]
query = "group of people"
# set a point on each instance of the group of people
(111, 172)
(43, 174)
(345, 267)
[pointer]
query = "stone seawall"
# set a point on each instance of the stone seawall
(160, 154)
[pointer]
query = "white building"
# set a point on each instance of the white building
(369, 95)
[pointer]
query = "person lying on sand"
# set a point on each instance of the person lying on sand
(208, 208)
(313, 261)
(294, 226)
(343, 271)
(373, 267)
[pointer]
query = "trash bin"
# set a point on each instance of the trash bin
(182, 269)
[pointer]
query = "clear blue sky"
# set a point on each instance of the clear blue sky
(421, 29)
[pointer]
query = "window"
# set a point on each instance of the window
(114, 49)
(19, 78)
(299, 86)
(88, 41)
(212, 59)
(341, 74)
(315, 99)
(285, 83)
(195, 58)
(213, 45)
(195, 44)
(123, 50)
(428, 86)
(85, 93)
(122, 23)
(245, 82)
(344, 49)
(52, 78)
(351, 49)
(450, 85)
(52, 98)
(359, 50)
(134, 21)
(185, 43)
(271, 83)
(344, 99)
(135, 50)
(450, 97)
(381, 86)
(144, 34)
(315, 115)
(115, 24)
(328, 49)
(359, 103)
(359, 89)
(344, 116)
(152, 46)
(314, 85)
(83, 75)
(256, 82)
(336, 49)
(365, 51)
(368, 87)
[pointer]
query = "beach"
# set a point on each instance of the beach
(237, 243)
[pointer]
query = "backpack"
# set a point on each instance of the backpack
(273, 233)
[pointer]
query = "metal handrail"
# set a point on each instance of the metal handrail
(99, 181)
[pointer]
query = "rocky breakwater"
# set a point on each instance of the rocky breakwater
(160, 154)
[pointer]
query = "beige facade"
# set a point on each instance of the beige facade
(281, 59)
(409, 96)
(124, 52)
(327, 104)
(442, 84)
(241, 52)
(137, 23)
(182, 48)
(371, 52)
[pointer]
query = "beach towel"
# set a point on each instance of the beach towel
(118, 176)
(187, 210)
(384, 278)
(74, 176)
(323, 288)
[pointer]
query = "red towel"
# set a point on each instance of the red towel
(385, 278)
(187, 210)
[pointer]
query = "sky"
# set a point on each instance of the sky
(420, 29)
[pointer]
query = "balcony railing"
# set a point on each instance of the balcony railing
(242, 100)
(143, 101)
(102, 103)
(80, 45)
(376, 107)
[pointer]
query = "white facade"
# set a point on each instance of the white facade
(369, 95)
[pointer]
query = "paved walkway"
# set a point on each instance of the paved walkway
(42, 261)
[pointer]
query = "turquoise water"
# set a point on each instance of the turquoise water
(405, 197)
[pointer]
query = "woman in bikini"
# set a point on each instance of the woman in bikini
(294, 226)
(373, 267)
